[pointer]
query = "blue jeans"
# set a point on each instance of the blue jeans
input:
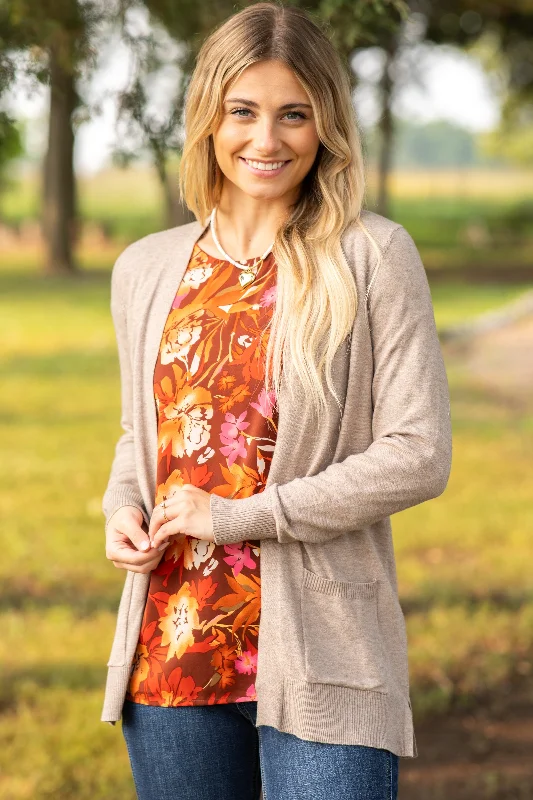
(217, 753)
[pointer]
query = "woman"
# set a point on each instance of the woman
(283, 393)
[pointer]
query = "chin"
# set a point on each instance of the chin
(263, 193)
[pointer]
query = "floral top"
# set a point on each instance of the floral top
(216, 430)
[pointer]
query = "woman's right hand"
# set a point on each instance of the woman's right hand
(127, 543)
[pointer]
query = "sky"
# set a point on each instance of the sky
(443, 83)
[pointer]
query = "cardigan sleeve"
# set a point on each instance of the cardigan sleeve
(122, 488)
(409, 459)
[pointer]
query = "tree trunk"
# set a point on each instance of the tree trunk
(175, 212)
(386, 129)
(59, 215)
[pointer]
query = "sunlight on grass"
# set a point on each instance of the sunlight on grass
(79, 757)
(454, 302)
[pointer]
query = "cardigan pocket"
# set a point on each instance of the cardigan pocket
(117, 657)
(342, 639)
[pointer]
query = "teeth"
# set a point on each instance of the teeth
(263, 166)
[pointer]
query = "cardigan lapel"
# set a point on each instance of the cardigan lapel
(167, 281)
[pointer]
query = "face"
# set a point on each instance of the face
(267, 140)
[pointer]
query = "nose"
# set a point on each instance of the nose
(266, 137)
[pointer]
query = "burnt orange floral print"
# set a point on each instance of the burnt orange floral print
(217, 429)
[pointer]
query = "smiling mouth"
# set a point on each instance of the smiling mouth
(264, 167)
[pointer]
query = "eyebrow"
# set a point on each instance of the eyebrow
(253, 104)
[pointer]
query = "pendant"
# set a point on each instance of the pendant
(246, 277)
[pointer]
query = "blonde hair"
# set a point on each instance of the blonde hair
(316, 299)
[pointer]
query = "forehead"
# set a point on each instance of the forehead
(268, 80)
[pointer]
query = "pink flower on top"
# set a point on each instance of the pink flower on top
(268, 297)
(246, 663)
(232, 426)
(250, 694)
(238, 558)
(234, 448)
(265, 402)
(178, 299)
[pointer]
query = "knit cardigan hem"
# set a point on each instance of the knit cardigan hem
(362, 717)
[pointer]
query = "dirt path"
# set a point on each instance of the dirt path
(500, 360)
(484, 755)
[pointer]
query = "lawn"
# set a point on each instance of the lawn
(463, 559)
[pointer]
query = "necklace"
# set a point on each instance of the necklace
(249, 271)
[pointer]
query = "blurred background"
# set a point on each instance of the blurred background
(91, 97)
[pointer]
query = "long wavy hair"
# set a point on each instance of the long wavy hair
(316, 299)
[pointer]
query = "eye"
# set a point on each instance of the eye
(244, 112)
(298, 114)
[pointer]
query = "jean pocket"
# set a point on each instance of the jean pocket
(342, 638)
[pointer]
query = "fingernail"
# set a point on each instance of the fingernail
(145, 545)
(166, 544)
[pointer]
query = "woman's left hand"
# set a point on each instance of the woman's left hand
(188, 512)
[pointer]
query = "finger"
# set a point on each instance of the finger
(137, 536)
(167, 530)
(126, 554)
(144, 566)
(132, 568)
(157, 519)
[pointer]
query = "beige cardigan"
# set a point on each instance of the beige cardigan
(332, 662)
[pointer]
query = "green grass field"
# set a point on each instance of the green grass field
(463, 559)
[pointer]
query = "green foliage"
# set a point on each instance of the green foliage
(501, 35)
(10, 145)
(350, 24)
(513, 141)
(361, 24)
(67, 26)
(435, 144)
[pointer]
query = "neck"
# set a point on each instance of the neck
(245, 225)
